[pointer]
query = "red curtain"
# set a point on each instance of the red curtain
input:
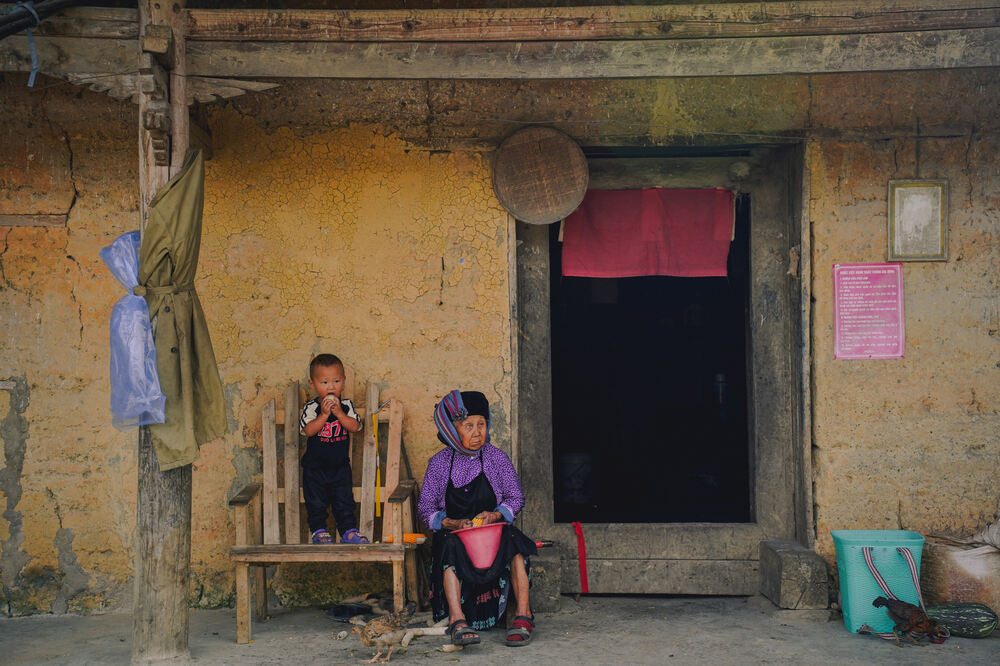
(655, 231)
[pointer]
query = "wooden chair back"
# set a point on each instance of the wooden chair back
(281, 492)
(267, 515)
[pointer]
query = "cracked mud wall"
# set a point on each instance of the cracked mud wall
(357, 217)
(348, 241)
(911, 443)
(67, 483)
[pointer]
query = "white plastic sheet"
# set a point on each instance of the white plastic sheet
(136, 398)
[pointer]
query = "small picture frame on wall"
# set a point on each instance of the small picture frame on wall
(918, 220)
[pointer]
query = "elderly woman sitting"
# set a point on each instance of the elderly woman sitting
(473, 480)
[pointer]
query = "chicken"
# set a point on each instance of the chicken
(391, 630)
(381, 632)
(910, 618)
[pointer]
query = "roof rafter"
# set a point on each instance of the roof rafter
(726, 39)
(731, 19)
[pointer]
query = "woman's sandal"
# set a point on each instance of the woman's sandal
(464, 635)
(520, 631)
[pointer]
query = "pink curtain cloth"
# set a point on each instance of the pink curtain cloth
(626, 233)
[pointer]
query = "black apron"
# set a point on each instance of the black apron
(471, 499)
(484, 591)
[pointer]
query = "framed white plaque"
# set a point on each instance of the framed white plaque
(918, 220)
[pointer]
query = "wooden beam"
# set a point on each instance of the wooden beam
(734, 19)
(208, 89)
(98, 22)
(609, 59)
(950, 40)
(62, 56)
(393, 451)
(938, 49)
(32, 220)
(269, 446)
(677, 172)
(340, 552)
(200, 137)
(180, 113)
(367, 510)
(163, 526)
(159, 41)
(244, 497)
(291, 457)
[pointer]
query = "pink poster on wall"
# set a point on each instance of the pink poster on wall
(868, 311)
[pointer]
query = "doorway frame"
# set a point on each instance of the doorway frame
(689, 558)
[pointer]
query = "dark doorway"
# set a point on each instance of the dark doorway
(649, 393)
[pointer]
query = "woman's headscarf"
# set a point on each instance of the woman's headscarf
(458, 406)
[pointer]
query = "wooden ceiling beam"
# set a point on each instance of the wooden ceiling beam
(733, 19)
(600, 59)
(71, 56)
(245, 49)
(80, 58)
(95, 22)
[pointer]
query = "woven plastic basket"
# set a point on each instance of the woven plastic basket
(857, 585)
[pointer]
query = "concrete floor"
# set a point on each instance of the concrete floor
(591, 630)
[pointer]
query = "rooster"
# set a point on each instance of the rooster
(910, 619)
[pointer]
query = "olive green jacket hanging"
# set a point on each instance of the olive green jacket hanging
(189, 377)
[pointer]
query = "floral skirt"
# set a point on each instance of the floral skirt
(484, 591)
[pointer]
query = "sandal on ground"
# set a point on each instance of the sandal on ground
(464, 635)
(353, 536)
(321, 536)
(520, 631)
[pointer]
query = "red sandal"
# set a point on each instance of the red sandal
(520, 631)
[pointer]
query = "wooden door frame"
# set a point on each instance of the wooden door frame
(688, 558)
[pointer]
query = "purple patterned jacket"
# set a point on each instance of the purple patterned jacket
(499, 472)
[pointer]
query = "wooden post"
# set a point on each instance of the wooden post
(162, 559)
(269, 446)
(292, 464)
(163, 524)
(243, 575)
(259, 573)
(367, 525)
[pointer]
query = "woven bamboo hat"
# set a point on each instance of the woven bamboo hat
(540, 175)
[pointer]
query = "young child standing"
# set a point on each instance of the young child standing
(328, 421)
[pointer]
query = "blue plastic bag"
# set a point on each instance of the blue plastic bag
(136, 398)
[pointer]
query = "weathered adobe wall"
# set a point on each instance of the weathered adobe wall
(358, 218)
(911, 443)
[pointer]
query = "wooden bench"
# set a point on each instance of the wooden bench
(260, 507)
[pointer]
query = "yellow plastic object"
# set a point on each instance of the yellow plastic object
(378, 469)
(409, 537)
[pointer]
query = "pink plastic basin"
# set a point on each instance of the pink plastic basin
(481, 543)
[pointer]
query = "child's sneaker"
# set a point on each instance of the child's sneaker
(353, 536)
(321, 536)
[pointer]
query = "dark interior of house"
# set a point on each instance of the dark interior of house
(649, 392)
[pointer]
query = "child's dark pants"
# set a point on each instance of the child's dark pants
(325, 487)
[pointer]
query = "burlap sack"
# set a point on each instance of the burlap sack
(960, 573)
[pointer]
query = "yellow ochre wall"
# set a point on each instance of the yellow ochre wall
(359, 218)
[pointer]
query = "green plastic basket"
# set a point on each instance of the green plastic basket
(857, 585)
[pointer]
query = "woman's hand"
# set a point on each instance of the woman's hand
(456, 523)
(487, 517)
